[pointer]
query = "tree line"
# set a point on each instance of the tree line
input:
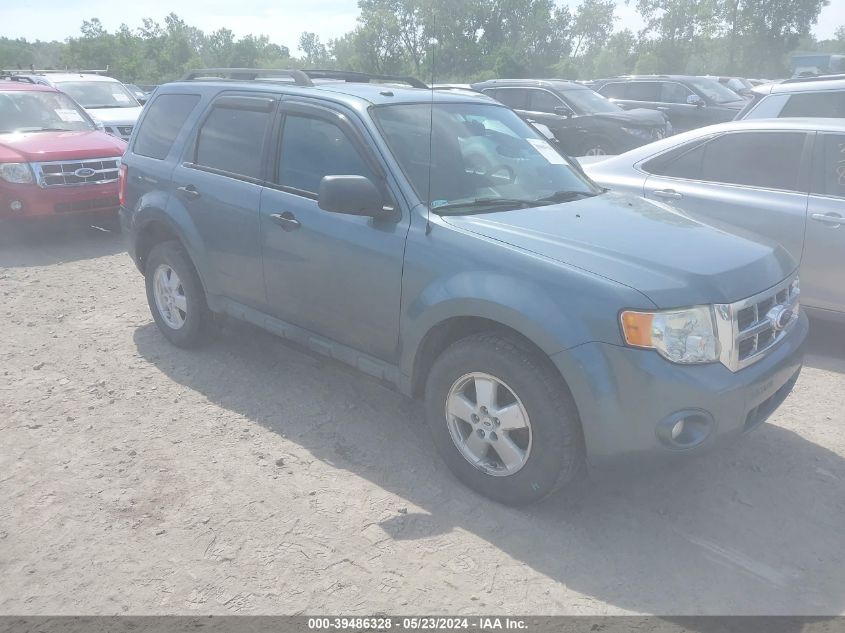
(466, 40)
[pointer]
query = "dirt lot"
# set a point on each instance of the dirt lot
(252, 477)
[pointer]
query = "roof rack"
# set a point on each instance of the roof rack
(299, 77)
(800, 80)
(248, 74)
(46, 71)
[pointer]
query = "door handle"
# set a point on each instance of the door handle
(668, 194)
(286, 220)
(834, 221)
(188, 191)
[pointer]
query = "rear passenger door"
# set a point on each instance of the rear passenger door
(751, 183)
(219, 185)
(336, 275)
(823, 269)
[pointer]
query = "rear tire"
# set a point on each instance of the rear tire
(175, 295)
(533, 462)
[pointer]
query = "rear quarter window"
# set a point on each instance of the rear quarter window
(162, 123)
(827, 104)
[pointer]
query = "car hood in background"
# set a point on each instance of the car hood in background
(637, 116)
(645, 245)
(116, 116)
(45, 146)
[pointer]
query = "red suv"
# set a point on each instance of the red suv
(53, 158)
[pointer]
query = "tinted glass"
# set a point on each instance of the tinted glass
(771, 160)
(612, 91)
(642, 91)
(672, 92)
(233, 140)
(681, 162)
(36, 111)
(163, 119)
(542, 101)
(589, 102)
(515, 98)
(713, 90)
(832, 181)
(313, 148)
(816, 104)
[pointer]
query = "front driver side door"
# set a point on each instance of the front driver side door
(336, 275)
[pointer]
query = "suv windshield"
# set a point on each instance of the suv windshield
(478, 156)
(37, 111)
(589, 102)
(713, 90)
(99, 94)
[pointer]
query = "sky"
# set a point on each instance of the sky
(281, 20)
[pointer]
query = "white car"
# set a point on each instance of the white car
(107, 100)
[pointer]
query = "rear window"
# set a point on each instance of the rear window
(164, 117)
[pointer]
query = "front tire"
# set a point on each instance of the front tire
(175, 295)
(503, 420)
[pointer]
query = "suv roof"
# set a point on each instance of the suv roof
(803, 84)
(55, 77)
(559, 84)
(358, 86)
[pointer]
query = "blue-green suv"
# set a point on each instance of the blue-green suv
(437, 242)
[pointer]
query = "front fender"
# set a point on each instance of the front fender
(517, 303)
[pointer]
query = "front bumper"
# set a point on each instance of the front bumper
(36, 201)
(623, 395)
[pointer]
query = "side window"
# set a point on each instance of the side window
(612, 91)
(542, 101)
(643, 91)
(771, 160)
(830, 179)
(232, 140)
(829, 104)
(681, 162)
(313, 148)
(163, 120)
(673, 92)
(515, 98)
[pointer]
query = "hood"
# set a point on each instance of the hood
(45, 146)
(638, 116)
(116, 116)
(672, 259)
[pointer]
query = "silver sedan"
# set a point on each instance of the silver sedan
(779, 180)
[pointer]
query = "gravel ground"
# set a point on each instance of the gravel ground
(251, 477)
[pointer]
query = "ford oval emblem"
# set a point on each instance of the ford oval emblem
(780, 317)
(84, 172)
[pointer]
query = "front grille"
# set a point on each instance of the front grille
(87, 172)
(111, 202)
(123, 131)
(748, 329)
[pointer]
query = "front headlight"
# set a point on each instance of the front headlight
(17, 173)
(682, 336)
(639, 132)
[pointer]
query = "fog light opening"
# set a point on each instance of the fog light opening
(685, 429)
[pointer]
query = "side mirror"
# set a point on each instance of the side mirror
(351, 195)
(695, 100)
(563, 111)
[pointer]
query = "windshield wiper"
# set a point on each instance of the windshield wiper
(566, 196)
(495, 203)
